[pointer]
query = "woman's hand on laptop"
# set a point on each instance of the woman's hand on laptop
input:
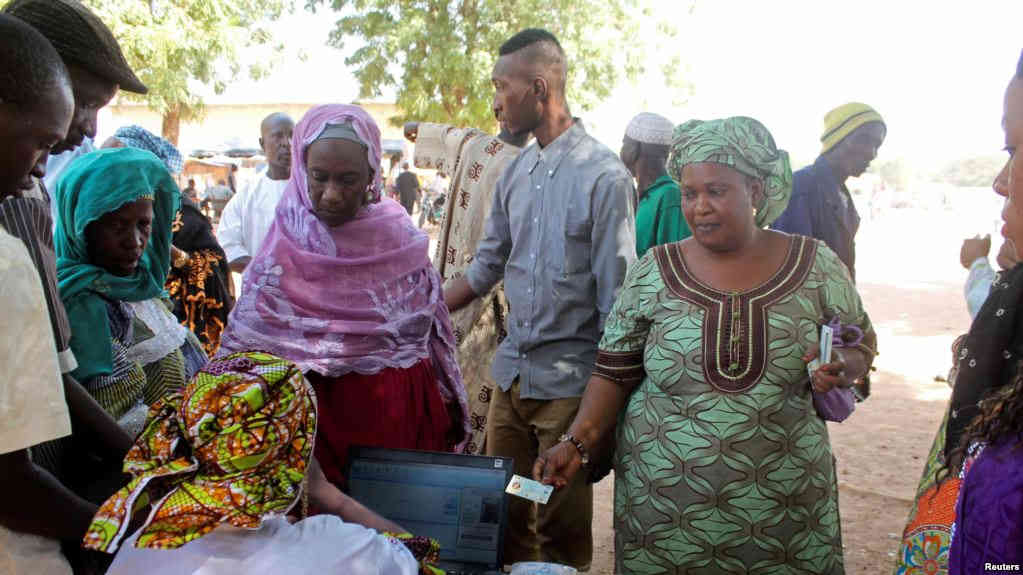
(325, 497)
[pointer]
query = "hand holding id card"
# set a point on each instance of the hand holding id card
(824, 357)
(529, 489)
(838, 403)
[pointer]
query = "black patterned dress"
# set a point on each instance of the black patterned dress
(201, 289)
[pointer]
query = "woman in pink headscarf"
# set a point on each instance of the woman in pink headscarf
(343, 286)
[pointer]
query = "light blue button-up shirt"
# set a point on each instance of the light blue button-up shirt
(561, 233)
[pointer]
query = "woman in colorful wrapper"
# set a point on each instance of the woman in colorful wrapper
(226, 466)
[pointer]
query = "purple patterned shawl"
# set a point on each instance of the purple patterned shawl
(361, 297)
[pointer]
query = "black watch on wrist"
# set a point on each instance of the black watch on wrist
(578, 445)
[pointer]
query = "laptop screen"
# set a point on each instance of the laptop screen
(458, 500)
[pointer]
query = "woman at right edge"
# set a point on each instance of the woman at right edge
(986, 367)
(985, 424)
(722, 463)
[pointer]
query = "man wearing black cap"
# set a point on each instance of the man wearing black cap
(94, 61)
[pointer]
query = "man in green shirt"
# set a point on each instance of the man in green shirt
(659, 204)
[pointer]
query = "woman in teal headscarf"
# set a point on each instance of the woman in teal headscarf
(115, 209)
(722, 463)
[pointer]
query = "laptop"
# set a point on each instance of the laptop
(459, 500)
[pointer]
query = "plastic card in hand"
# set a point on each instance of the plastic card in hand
(529, 489)
(827, 339)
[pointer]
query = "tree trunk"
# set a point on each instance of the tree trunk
(172, 125)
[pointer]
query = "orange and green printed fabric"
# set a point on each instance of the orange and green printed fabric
(233, 448)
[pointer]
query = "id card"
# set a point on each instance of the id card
(827, 339)
(529, 489)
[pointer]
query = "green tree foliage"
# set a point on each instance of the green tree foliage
(176, 46)
(437, 55)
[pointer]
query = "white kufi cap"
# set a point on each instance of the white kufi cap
(650, 128)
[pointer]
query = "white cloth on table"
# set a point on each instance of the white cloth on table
(27, 554)
(978, 285)
(247, 217)
(317, 545)
(32, 405)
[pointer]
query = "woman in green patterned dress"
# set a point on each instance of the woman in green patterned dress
(722, 463)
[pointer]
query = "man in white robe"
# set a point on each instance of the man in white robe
(247, 218)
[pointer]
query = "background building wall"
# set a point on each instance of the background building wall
(230, 125)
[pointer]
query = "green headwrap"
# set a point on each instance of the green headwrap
(96, 184)
(742, 144)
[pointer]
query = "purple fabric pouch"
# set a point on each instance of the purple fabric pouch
(835, 405)
(839, 403)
